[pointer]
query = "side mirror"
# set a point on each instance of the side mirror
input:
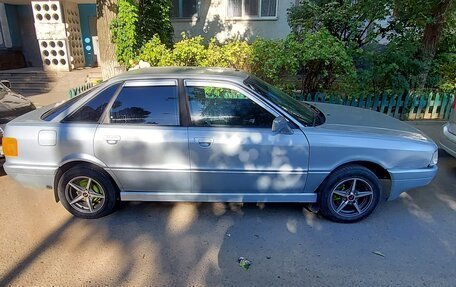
(6, 83)
(280, 126)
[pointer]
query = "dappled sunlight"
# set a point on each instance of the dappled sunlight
(231, 144)
(208, 263)
(415, 209)
(292, 225)
(181, 217)
(312, 219)
(450, 201)
(218, 208)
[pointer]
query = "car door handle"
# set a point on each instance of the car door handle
(204, 142)
(112, 139)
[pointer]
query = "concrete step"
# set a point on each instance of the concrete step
(31, 92)
(27, 85)
(28, 78)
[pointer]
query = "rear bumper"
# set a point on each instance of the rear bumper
(32, 176)
(447, 140)
(403, 180)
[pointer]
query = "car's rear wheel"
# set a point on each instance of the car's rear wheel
(349, 194)
(87, 193)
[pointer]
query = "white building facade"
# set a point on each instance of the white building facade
(61, 35)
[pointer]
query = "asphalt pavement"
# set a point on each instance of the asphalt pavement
(407, 242)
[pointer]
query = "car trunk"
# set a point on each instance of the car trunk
(452, 120)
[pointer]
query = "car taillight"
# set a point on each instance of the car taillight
(454, 104)
(10, 147)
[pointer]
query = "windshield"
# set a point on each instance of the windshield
(301, 111)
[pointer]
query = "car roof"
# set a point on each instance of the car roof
(183, 72)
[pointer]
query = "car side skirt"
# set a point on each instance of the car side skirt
(218, 197)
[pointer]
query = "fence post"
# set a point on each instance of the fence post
(399, 104)
(448, 107)
(437, 103)
(392, 102)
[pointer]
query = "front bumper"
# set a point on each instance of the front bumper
(403, 180)
(32, 176)
(447, 140)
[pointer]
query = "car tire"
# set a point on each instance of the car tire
(98, 200)
(349, 194)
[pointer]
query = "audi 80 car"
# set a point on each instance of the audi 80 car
(210, 135)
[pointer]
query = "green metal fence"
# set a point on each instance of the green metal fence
(405, 107)
(80, 89)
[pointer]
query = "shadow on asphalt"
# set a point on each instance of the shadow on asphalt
(183, 244)
(25, 263)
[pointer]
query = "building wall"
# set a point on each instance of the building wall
(30, 48)
(212, 21)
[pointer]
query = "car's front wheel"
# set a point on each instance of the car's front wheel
(350, 194)
(87, 192)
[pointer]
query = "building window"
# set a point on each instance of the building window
(252, 9)
(184, 9)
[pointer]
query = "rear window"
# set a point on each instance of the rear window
(91, 111)
(52, 113)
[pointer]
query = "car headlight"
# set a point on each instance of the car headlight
(435, 158)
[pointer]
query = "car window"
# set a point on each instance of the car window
(211, 106)
(91, 111)
(152, 105)
(301, 111)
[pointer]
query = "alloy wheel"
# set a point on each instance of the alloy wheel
(85, 194)
(352, 197)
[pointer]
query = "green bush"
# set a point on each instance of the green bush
(318, 59)
(234, 54)
(156, 53)
(125, 31)
(321, 58)
(273, 61)
(135, 25)
(189, 51)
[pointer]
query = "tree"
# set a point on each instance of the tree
(106, 12)
(355, 23)
(155, 19)
(432, 34)
(136, 23)
(396, 45)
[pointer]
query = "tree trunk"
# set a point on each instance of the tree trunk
(106, 12)
(431, 37)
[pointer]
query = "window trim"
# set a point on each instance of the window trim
(226, 85)
(252, 18)
(106, 121)
(183, 19)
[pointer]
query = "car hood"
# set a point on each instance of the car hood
(13, 105)
(354, 119)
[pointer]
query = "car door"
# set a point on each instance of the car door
(142, 141)
(232, 147)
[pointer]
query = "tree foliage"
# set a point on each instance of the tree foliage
(136, 23)
(395, 45)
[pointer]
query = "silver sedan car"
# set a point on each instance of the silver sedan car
(209, 135)
(448, 133)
